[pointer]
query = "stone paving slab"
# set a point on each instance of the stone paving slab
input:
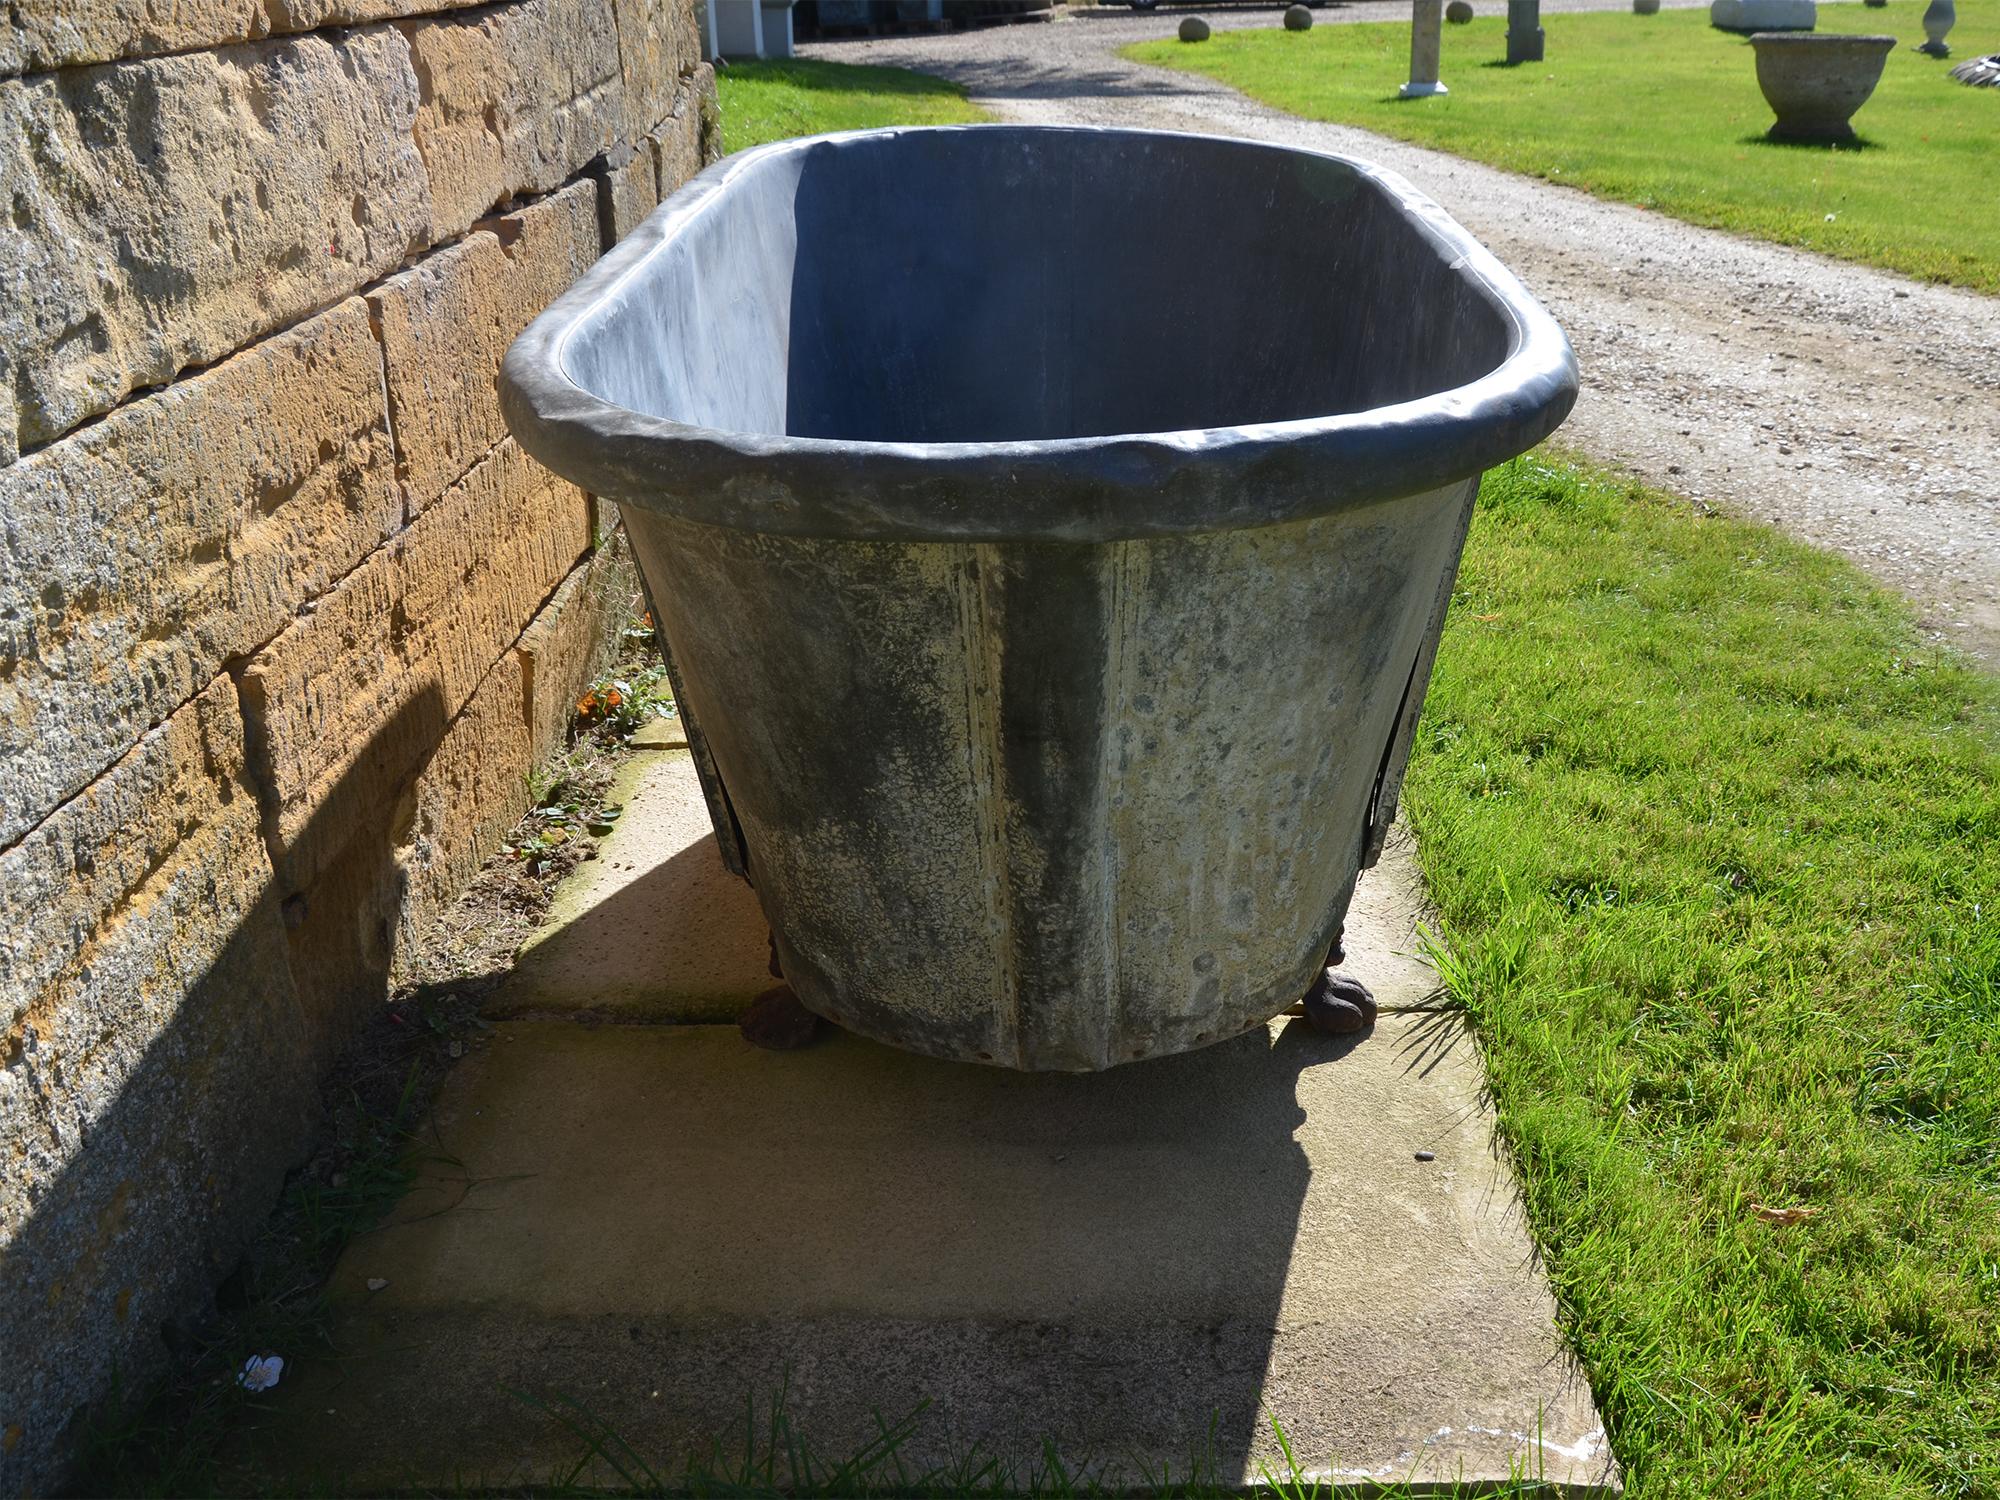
(662, 1223)
(654, 928)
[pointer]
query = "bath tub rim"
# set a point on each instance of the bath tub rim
(1076, 489)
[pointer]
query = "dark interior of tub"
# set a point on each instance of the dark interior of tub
(983, 285)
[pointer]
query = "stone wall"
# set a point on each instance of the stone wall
(285, 616)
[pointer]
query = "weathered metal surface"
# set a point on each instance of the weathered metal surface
(1057, 616)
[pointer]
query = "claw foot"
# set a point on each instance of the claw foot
(777, 1021)
(1339, 1005)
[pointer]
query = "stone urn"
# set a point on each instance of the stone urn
(1814, 82)
(1939, 17)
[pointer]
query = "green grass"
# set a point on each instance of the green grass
(1715, 840)
(1664, 112)
(769, 101)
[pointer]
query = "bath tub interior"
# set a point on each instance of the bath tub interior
(995, 285)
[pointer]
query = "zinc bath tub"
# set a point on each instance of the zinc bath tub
(1051, 530)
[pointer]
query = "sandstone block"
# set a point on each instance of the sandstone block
(657, 42)
(628, 188)
(141, 553)
(403, 856)
(469, 794)
(157, 1083)
(689, 138)
(708, 106)
(350, 700)
(36, 35)
(98, 853)
(10, 422)
(474, 788)
(573, 640)
(343, 926)
(515, 99)
(167, 212)
(446, 322)
(410, 849)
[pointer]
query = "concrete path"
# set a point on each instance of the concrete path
(661, 1224)
(1854, 408)
(687, 939)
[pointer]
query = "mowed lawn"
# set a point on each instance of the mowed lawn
(1664, 111)
(1714, 836)
(769, 101)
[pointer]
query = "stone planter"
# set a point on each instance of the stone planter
(1056, 617)
(1814, 84)
(1763, 15)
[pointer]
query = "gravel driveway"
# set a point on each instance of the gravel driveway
(1854, 408)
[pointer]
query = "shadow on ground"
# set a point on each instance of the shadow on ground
(677, 1225)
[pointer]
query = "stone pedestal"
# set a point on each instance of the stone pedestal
(777, 18)
(1524, 31)
(739, 27)
(1426, 30)
(1939, 18)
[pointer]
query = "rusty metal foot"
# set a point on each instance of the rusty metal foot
(1339, 1005)
(777, 1021)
